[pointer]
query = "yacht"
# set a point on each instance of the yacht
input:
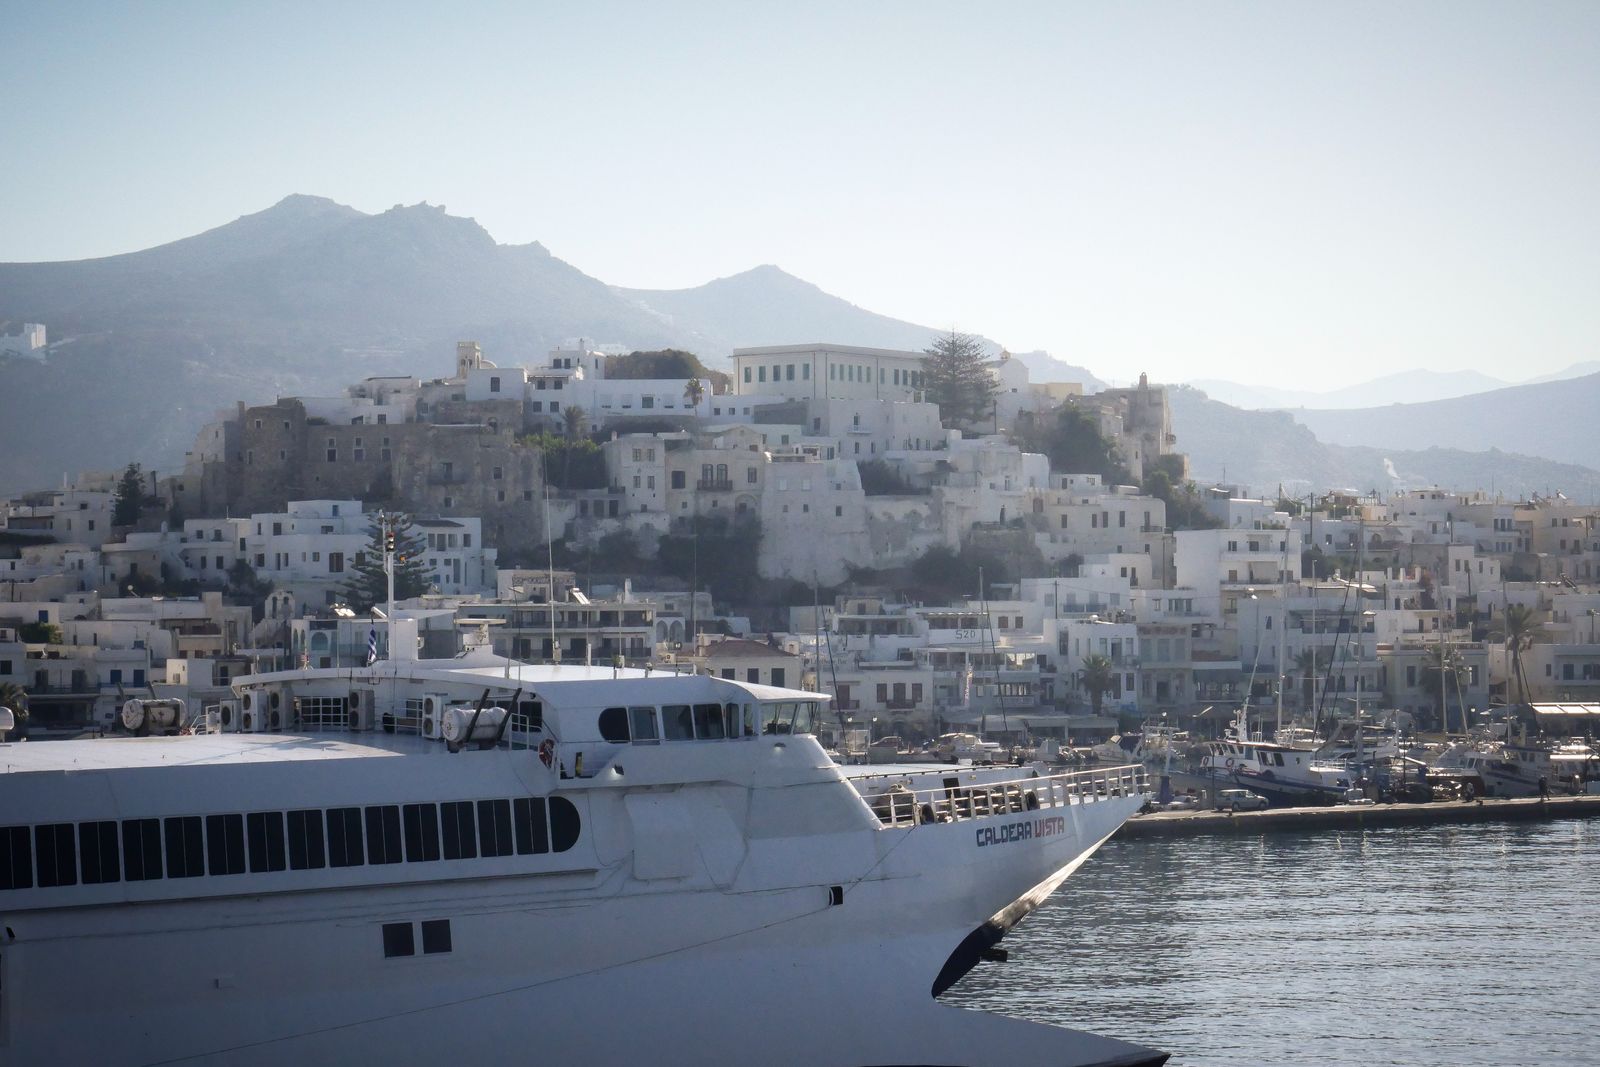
(477, 860)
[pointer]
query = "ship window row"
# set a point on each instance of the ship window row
(192, 846)
(706, 722)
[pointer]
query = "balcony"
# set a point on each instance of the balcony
(714, 485)
(847, 705)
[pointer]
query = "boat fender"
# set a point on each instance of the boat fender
(547, 752)
(925, 814)
(1031, 802)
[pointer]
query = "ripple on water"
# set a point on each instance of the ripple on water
(1422, 947)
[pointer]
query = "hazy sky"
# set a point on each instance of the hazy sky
(1288, 193)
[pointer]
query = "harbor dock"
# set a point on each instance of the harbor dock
(1358, 816)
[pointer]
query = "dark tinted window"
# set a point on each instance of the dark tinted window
(141, 849)
(56, 853)
(383, 834)
(225, 844)
(494, 827)
(708, 722)
(677, 722)
(399, 939)
(97, 844)
(460, 835)
(422, 832)
(305, 841)
(265, 831)
(186, 850)
(436, 936)
(614, 724)
(16, 858)
(533, 834)
(344, 838)
(564, 824)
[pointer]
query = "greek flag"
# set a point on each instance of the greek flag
(372, 646)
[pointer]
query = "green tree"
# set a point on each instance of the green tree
(368, 585)
(1520, 630)
(955, 376)
(693, 393)
(667, 363)
(41, 633)
(1309, 663)
(129, 499)
(13, 696)
(1097, 677)
(573, 421)
(1070, 439)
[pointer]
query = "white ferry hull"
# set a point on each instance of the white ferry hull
(251, 980)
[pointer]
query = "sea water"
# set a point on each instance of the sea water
(1423, 947)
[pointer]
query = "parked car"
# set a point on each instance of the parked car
(1356, 796)
(1240, 800)
(1183, 802)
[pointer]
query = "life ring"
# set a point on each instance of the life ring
(547, 752)
(1230, 763)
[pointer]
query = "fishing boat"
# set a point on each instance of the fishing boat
(479, 860)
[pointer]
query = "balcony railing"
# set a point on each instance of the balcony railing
(714, 485)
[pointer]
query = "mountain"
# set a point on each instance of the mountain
(1548, 419)
(1411, 385)
(310, 295)
(1043, 367)
(1576, 370)
(767, 306)
(1264, 450)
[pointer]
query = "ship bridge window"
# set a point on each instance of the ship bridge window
(460, 830)
(789, 717)
(677, 721)
(565, 824)
(97, 841)
(614, 725)
(531, 825)
(58, 858)
(708, 725)
(306, 851)
(644, 725)
(422, 832)
(186, 850)
(383, 834)
(264, 830)
(225, 843)
(141, 849)
(16, 858)
(494, 827)
(529, 716)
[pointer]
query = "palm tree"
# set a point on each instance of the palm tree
(13, 696)
(1520, 631)
(693, 393)
(573, 419)
(1096, 676)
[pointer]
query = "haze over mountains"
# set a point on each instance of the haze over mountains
(309, 296)
(1411, 386)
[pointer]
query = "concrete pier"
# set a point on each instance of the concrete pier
(1357, 816)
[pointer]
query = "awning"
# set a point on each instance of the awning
(1567, 711)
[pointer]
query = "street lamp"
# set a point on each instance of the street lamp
(872, 733)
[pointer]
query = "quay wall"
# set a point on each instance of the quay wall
(1357, 817)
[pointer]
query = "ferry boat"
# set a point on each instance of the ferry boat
(482, 861)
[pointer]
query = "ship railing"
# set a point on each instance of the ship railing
(900, 805)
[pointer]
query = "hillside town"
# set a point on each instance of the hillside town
(1022, 560)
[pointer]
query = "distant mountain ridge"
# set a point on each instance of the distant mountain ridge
(1553, 420)
(1411, 386)
(310, 295)
(1268, 449)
